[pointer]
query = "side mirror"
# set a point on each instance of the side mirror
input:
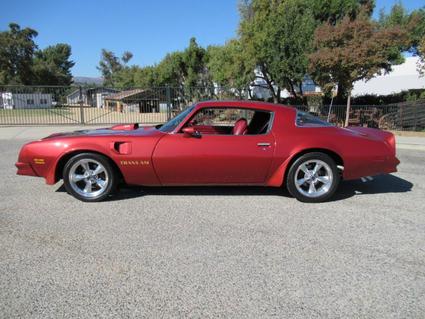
(191, 132)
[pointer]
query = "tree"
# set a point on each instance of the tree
(421, 53)
(228, 65)
(52, 66)
(146, 77)
(413, 23)
(182, 68)
(353, 50)
(171, 70)
(277, 36)
(110, 65)
(332, 11)
(17, 48)
(194, 65)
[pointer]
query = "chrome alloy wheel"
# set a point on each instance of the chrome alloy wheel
(88, 178)
(313, 178)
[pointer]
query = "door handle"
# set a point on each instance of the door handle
(263, 144)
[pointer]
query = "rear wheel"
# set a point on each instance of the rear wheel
(313, 178)
(89, 177)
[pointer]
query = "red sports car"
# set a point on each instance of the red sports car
(214, 143)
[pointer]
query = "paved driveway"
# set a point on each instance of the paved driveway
(213, 252)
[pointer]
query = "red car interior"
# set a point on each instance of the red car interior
(209, 129)
(241, 127)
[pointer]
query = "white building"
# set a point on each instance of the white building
(402, 78)
(261, 90)
(94, 97)
(11, 100)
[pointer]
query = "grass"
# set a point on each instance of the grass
(73, 115)
(33, 112)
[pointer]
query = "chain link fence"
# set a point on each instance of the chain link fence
(59, 105)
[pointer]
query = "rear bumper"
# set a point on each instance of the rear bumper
(25, 169)
(390, 165)
(372, 167)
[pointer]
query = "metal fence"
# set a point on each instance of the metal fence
(50, 105)
(406, 116)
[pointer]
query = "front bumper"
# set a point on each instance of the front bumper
(25, 169)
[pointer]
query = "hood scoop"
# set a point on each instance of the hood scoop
(125, 127)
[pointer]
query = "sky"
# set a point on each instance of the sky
(147, 28)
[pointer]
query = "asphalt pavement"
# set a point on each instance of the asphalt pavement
(228, 252)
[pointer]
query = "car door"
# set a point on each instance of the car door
(214, 159)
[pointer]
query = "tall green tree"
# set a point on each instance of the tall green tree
(277, 35)
(52, 65)
(421, 53)
(229, 66)
(229, 69)
(146, 77)
(412, 22)
(110, 65)
(184, 68)
(17, 49)
(172, 70)
(194, 64)
(332, 11)
(352, 50)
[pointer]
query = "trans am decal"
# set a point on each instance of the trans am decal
(134, 162)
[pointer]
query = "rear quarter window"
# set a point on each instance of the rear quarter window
(307, 120)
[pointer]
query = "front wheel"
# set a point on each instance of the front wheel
(89, 177)
(313, 178)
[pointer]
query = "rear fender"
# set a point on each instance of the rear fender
(278, 177)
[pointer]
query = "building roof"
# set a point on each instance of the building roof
(92, 90)
(124, 94)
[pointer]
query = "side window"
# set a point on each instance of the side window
(308, 120)
(221, 117)
(227, 121)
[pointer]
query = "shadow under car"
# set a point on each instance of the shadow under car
(379, 185)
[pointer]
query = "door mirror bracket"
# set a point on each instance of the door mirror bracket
(191, 132)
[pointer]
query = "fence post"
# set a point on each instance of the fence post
(168, 97)
(347, 112)
(416, 115)
(81, 105)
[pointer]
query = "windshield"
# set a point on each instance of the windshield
(172, 124)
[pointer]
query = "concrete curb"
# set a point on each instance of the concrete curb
(415, 147)
(408, 133)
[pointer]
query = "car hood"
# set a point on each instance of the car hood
(118, 130)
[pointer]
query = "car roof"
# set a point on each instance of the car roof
(246, 104)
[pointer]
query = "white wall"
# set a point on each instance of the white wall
(403, 77)
(26, 100)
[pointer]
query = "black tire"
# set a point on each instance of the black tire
(328, 173)
(108, 177)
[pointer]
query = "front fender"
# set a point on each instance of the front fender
(69, 151)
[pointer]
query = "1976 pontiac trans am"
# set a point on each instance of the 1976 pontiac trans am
(214, 143)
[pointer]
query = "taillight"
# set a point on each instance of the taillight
(391, 143)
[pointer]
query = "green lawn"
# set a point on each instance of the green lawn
(71, 115)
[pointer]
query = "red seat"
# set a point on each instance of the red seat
(241, 127)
